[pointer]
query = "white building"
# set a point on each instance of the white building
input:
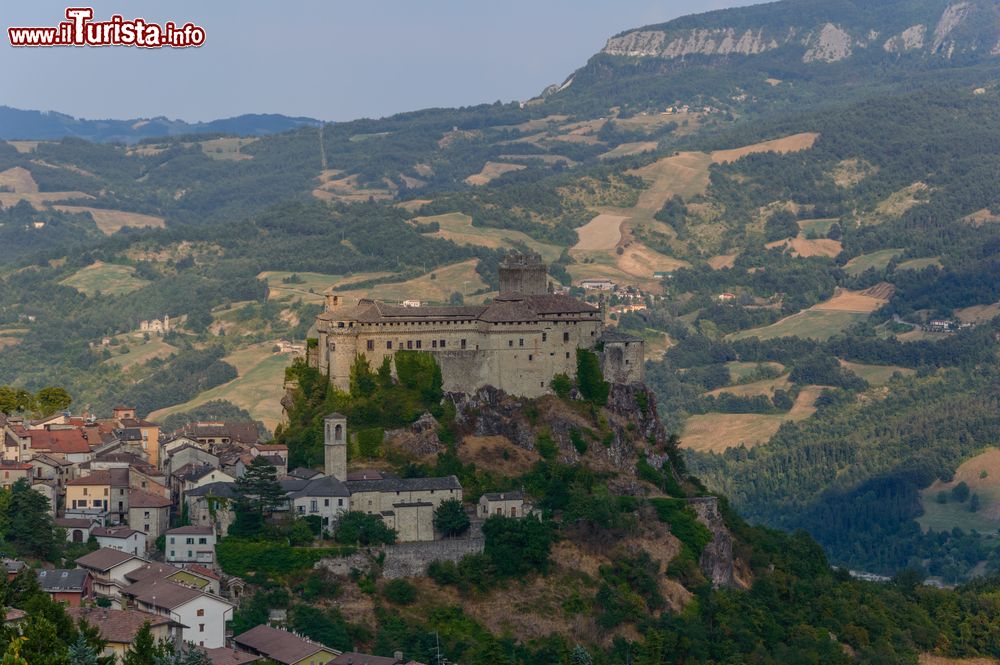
(121, 538)
(191, 544)
(204, 614)
(325, 497)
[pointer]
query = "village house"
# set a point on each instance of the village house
(104, 489)
(121, 538)
(284, 647)
(47, 489)
(597, 284)
(194, 576)
(212, 505)
(118, 628)
(46, 467)
(506, 504)
(11, 472)
(188, 454)
(149, 513)
(70, 445)
(219, 433)
(204, 614)
(78, 529)
(355, 658)
(325, 497)
(71, 587)
(191, 544)
(108, 568)
(12, 567)
(191, 477)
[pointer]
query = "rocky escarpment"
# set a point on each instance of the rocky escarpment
(967, 26)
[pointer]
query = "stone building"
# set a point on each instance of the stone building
(517, 343)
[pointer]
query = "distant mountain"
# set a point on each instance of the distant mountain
(48, 125)
(741, 54)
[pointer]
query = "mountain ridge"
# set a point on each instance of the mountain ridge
(24, 124)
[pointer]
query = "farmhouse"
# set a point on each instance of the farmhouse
(517, 343)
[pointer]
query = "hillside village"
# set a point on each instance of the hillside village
(147, 510)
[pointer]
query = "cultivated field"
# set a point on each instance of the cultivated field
(226, 148)
(18, 179)
(548, 159)
(313, 285)
(944, 517)
(107, 278)
(335, 186)
(24, 147)
(979, 313)
(876, 375)
(111, 221)
(980, 217)
(641, 261)
(787, 144)
(458, 228)
(740, 370)
(39, 200)
(864, 302)
(801, 246)
(816, 226)
(920, 264)
(491, 171)
(139, 350)
(258, 389)
(877, 260)
(722, 261)
(434, 287)
(764, 387)
(715, 432)
(602, 232)
(809, 323)
(626, 149)
(684, 174)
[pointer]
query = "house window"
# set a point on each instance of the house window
(145, 527)
(171, 540)
(190, 555)
(85, 491)
(201, 612)
(190, 541)
(172, 554)
(203, 541)
(201, 628)
(326, 503)
(146, 515)
(340, 502)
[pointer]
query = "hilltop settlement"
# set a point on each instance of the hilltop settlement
(150, 512)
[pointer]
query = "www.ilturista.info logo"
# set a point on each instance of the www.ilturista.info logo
(81, 30)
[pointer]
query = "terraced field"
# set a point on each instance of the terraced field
(105, 278)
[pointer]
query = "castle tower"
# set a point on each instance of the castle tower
(335, 446)
(524, 274)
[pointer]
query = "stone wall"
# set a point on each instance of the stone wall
(412, 559)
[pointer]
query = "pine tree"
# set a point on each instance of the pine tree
(259, 486)
(144, 649)
(29, 524)
(580, 656)
(81, 653)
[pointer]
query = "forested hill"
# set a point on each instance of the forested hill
(51, 125)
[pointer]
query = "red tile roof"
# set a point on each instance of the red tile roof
(203, 571)
(118, 626)
(279, 645)
(65, 441)
(142, 499)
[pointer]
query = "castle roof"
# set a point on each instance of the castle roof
(508, 307)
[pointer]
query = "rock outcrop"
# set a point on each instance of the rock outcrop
(419, 439)
(717, 560)
(966, 26)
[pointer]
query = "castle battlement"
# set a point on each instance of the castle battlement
(516, 343)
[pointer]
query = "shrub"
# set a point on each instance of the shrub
(960, 492)
(399, 592)
(578, 441)
(561, 385)
(590, 379)
(450, 518)
(363, 529)
(517, 546)
(546, 446)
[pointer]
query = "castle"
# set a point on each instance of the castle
(516, 343)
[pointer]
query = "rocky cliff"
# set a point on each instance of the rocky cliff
(822, 32)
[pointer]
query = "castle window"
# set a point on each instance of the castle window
(434, 344)
(520, 342)
(545, 337)
(530, 357)
(567, 355)
(442, 344)
(418, 343)
(510, 342)
(340, 324)
(371, 345)
(388, 344)
(463, 343)
(409, 343)
(565, 336)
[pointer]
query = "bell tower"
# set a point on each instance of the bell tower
(335, 446)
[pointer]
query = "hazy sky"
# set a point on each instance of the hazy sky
(329, 59)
